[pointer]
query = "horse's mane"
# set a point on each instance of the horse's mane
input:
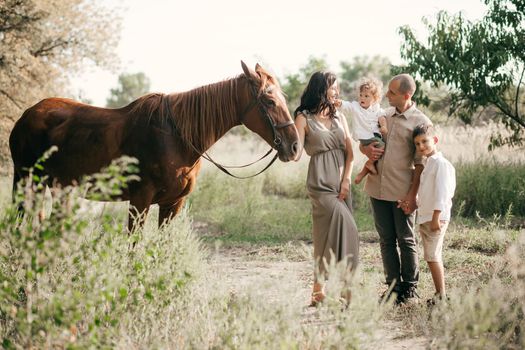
(200, 116)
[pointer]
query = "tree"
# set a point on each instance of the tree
(481, 62)
(42, 44)
(130, 86)
(294, 84)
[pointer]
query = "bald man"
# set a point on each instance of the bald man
(394, 188)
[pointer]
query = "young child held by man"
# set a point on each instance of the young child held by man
(368, 119)
(436, 189)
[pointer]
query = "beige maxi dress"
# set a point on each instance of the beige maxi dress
(334, 228)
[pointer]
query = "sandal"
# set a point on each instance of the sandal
(317, 298)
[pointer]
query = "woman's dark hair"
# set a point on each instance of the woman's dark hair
(314, 98)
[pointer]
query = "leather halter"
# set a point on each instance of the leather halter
(264, 111)
(256, 101)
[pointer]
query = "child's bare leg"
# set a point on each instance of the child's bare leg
(359, 177)
(438, 276)
(371, 166)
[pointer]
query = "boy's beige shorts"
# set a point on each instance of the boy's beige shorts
(433, 241)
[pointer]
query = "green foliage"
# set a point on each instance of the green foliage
(294, 84)
(486, 236)
(43, 44)
(488, 188)
(130, 87)
(245, 214)
(491, 317)
(481, 62)
(75, 281)
(272, 208)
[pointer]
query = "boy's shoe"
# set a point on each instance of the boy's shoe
(437, 299)
(409, 293)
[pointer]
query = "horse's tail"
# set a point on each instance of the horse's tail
(19, 203)
(16, 180)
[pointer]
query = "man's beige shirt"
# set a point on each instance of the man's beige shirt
(396, 167)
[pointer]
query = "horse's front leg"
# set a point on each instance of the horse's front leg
(168, 212)
(139, 203)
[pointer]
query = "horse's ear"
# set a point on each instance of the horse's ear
(260, 70)
(264, 75)
(250, 74)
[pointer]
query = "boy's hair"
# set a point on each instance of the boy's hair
(423, 129)
(371, 84)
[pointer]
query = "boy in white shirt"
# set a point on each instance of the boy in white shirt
(369, 122)
(436, 189)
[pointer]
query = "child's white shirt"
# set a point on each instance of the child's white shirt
(364, 121)
(436, 189)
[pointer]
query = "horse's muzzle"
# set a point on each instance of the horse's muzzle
(288, 152)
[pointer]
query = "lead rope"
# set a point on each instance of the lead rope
(206, 156)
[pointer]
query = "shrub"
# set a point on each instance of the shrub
(75, 281)
(487, 188)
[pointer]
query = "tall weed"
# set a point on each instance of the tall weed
(488, 317)
(74, 281)
(486, 188)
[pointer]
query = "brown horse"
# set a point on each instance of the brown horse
(167, 133)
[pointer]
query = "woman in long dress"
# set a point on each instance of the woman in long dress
(326, 139)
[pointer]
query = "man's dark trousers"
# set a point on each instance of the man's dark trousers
(395, 228)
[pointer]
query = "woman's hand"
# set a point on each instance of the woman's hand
(345, 189)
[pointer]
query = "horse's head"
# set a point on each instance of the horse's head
(266, 113)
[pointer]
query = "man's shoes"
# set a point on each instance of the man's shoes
(392, 292)
(406, 295)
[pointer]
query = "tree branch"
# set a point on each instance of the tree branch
(44, 50)
(518, 92)
(508, 113)
(10, 98)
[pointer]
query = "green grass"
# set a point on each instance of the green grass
(261, 211)
(74, 280)
(88, 289)
(488, 188)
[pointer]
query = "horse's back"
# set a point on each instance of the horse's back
(28, 140)
(86, 137)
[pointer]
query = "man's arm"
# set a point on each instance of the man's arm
(408, 204)
(372, 152)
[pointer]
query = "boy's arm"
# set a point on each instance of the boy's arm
(435, 224)
(443, 191)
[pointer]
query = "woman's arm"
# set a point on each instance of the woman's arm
(349, 162)
(302, 129)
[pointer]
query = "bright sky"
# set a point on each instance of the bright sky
(182, 44)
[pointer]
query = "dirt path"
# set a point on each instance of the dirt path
(262, 270)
